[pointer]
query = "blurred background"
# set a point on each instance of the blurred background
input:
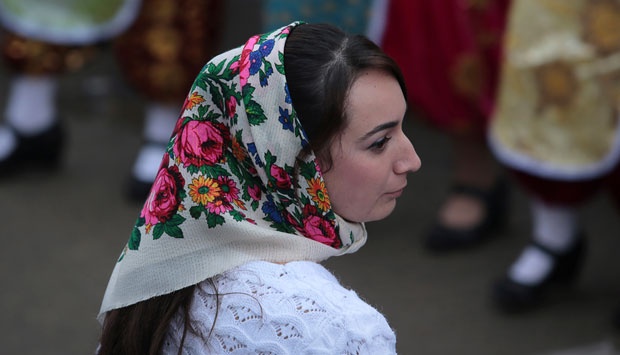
(62, 231)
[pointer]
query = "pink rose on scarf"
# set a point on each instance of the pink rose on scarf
(254, 192)
(178, 125)
(283, 180)
(243, 65)
(163, 201)
(320, 230)
(231, 106)
(316, 227)
(199, 143)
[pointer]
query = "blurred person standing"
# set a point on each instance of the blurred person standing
(41, 41)
(159, 44)
(557, 127)
(160, 56)
(450, 54)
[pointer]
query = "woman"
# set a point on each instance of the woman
(285, 147)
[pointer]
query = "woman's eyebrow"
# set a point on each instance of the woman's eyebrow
(380, 128)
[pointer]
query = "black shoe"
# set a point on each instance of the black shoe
(615, 320)
(495, 204)
(511, 296)
(137, 189)
(40, 151)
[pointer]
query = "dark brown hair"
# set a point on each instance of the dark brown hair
(142, 327)
(321, 63)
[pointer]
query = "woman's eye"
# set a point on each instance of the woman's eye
(380, 144)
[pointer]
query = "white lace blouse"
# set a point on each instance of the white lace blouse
(265, 308)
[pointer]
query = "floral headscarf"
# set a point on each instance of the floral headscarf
(230, 188)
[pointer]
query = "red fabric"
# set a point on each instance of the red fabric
(613, 182)
(570, 192)
(431, 40)
(573, 193)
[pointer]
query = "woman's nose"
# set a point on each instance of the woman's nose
(409, 160)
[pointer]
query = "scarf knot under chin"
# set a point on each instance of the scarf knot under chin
(230, 188)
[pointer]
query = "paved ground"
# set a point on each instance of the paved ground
(62, 232)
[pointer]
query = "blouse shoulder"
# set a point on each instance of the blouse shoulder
(266, 308)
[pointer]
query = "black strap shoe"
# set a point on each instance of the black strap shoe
(39, 151)
(511, 296)
(138, 188)
(495, 203)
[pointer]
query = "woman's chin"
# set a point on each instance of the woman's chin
(380, 212)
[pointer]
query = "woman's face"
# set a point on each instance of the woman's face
(372, 156)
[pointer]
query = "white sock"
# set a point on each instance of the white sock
(31, 104)
(147, 163)
(8, 142)
(159, 122)
(531, 267)
(555, 228)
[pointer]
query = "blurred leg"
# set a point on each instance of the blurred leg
(556, 228)
(557, 248)
(158, 125)
(31, 131)
(476, 167)
(31, 104)
(476, 203)
(160, 56)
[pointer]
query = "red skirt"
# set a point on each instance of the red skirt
(450, 53)
(571, 193)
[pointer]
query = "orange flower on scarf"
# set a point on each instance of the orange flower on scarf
(193, 100)
(318, 192)
(204, 190)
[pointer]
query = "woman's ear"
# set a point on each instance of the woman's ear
(323, 159)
